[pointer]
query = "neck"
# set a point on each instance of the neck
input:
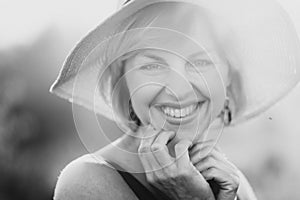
(124, 152)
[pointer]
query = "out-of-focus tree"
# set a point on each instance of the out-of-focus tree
(35, 127)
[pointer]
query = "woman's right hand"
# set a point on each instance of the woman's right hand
(175, 177)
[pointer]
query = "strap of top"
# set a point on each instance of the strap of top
(142, 192)
(136, 186)
(139, 189)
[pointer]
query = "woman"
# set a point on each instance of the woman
(172, 74)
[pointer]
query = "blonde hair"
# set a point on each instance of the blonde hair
(116, 94)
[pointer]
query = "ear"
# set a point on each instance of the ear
(236, 93)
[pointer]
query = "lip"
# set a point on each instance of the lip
(179, 105)
(184, 120)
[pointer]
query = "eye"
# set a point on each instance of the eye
(201, 65)
(152, 67)
(202, 62)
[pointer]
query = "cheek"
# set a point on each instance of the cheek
(217, 85)
(142, 93)
(213, 86)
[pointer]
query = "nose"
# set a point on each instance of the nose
(179, 87)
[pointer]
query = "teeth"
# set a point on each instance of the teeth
(172, 112)
(179, 113)
(182, 112)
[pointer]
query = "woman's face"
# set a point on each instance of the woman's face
(177, 85)
(181, 93)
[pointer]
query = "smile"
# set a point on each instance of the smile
(179, 113)
(177, 116)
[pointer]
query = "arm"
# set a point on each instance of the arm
(93, 181)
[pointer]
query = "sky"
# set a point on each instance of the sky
(22, 21)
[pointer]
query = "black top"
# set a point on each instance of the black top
(144, 193)
(137, 187)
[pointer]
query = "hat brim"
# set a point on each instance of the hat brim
(267, 43)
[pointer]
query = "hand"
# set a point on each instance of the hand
(175, 177)
(216, 169)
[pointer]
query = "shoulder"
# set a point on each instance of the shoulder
(88, 177)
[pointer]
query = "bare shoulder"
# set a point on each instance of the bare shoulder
(91, 178)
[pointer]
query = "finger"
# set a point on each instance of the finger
(200, 154)
(147, 159)
(204, 164)
(200, 144)
(215, 174)
(225, 181)
(182, 154)
(210, 162)
(215, 160)
(145, 154)
(223, 160)
(202, 147)
(160, 149)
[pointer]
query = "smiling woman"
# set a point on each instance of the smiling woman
(170, 72)
(156, 38)
(188, 95)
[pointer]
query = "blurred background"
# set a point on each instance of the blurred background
(37, 132)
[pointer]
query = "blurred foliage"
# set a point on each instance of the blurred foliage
(35, 126)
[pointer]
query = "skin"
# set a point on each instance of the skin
(175, 176)
(175, 70)
(171, 155)
(186, 175)
(152, 72)
(217, 167)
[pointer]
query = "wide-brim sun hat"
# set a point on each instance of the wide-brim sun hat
(264, 37)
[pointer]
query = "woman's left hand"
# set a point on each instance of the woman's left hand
(216, 168)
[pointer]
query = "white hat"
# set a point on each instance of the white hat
(264, 38)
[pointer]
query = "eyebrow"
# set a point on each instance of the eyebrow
(200, 53)
(162, 60)
(154, 57)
